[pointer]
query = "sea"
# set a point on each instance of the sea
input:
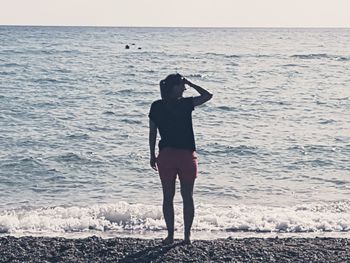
(273, 144)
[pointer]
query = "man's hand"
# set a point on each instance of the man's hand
(153, 163)
(186, 81)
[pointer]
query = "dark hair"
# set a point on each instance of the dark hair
(167, 84)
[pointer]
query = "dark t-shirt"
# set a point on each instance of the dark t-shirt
(174, 121)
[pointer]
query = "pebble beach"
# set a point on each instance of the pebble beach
(96, 249)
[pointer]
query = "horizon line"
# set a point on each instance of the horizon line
(135, 26)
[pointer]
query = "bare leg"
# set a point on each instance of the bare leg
(168, 208)
(188, 207)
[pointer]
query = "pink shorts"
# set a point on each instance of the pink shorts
(173, 161)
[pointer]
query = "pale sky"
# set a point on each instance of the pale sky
(203, 13)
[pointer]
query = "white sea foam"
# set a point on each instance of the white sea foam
(121, 217)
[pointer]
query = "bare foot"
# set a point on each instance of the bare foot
(168, 240)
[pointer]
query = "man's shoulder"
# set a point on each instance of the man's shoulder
(156, 103)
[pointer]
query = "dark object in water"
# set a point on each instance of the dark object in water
(127, 47)
(139, 48)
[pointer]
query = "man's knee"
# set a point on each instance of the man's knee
(169, 197)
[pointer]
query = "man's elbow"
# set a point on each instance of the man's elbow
(209, 96)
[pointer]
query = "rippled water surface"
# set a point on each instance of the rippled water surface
(74, 125)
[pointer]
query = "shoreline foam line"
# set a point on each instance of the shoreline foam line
(124, 217)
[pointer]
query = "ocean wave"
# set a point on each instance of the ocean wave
(131, 121)
(108, 113)
(222, 55)
(247, 55)
(320, 55)
(122, 216)
(290, 65)
(317, 162)
(70, 157)
(46, 80)
(12, 51)
(240, 150)
(122, 91)
(7, 73)
(11, 65)
(326, 121)
(63, 70)
(227, 108)
(314, 149)
(55, 51)
(80, 136)
(26, 162)
(198, 76)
